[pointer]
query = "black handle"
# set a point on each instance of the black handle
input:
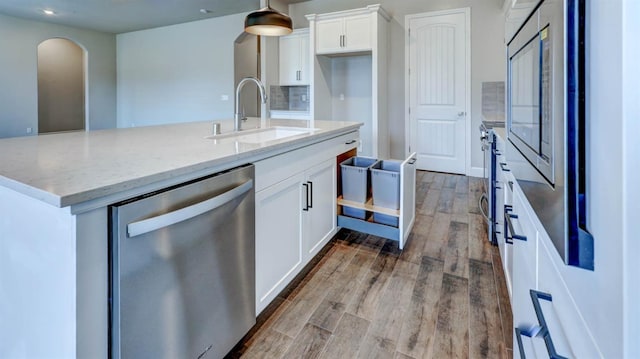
(412, 161)
(509, 228)
(306, 197)
(350, 142)
(497, 153)
(502, 164)
(310, 193)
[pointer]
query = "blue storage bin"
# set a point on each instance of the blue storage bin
(385, 184)
(386, 219)
(356, 178)
(354, 212)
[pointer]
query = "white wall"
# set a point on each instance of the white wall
(19, 40)
(177, 73)
(351, 95)
(487, 54)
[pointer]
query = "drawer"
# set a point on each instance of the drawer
(568, 330)
(280, 167)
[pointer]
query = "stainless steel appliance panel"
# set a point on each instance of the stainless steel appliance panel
(183, 269)
(541, 122)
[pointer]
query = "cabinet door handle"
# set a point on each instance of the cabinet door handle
(306, 197)
(350, 142)
(502, 166)
(509, 227)
(310, 192)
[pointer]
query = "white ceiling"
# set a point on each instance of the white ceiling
(118, 16)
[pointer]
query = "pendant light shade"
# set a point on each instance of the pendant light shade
(268, 22)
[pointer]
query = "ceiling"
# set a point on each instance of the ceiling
(118, 16)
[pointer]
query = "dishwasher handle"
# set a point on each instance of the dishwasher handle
(165, 220)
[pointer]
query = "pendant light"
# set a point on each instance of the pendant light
(268, 22)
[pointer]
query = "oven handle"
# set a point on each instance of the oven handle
(165, 220)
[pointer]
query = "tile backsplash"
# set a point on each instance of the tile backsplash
(493, 101)
(289, 98)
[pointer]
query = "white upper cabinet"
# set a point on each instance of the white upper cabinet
(294, 58)
(348, 51)
(344, 34)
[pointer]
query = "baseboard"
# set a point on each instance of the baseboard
(476, 172)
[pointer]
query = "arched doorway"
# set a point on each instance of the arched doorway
(61, 86)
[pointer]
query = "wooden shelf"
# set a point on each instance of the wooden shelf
(369, 207)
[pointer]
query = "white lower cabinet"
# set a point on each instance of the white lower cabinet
(278, 233)
(295, 218)
(320, 216)
(540, 297)
(295, 212)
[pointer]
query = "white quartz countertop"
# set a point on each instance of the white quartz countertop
(70, 168)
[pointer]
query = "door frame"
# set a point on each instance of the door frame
(468, 116)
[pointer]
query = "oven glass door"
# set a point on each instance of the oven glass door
(531, 97)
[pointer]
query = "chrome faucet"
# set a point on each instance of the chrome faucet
(238, 118)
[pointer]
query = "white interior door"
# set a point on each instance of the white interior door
(438, 89)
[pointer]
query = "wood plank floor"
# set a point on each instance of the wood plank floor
(443, 296)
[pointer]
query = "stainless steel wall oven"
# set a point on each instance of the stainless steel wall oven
(546, 123)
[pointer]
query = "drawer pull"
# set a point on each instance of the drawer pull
(412, 161)
(350, 142)
(502, 167)
(509, 228)
(543, 330)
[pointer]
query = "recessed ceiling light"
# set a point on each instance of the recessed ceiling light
(49, 12)
(206, 11)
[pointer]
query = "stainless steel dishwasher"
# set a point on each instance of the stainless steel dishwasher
(183, 269)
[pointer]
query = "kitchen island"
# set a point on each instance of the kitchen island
(54, 196)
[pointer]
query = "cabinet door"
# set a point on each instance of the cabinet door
(278, 238)
(320, 221)
(305, 62)
(357, 33)
(329, 36)
(289, 59)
